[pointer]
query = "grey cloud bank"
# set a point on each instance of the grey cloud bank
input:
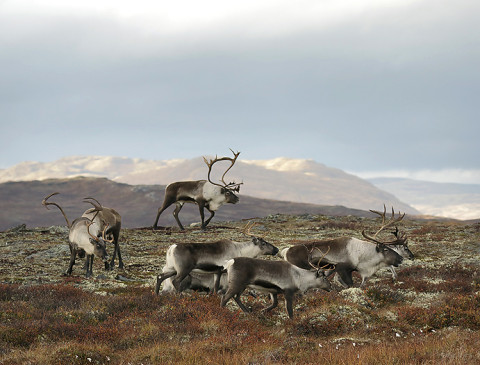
(360, 87)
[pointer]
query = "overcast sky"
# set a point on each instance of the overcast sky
(376, 86)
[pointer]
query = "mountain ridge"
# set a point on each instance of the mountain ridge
(137, 204)
(281, 179)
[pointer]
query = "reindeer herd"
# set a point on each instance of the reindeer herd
(231, 267)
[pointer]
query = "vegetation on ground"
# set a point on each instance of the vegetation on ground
(430, 315)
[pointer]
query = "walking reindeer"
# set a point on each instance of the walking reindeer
(206, 194)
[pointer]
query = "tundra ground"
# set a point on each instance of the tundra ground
(430, 315)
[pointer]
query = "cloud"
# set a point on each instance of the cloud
(461, 176)
(355, 85)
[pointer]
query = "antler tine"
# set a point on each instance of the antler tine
(90, 198)
(44, 201)
(46, 204)
(392, 220)
(97, 207)
(384, 225)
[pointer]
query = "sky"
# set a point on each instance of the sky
(374, 87)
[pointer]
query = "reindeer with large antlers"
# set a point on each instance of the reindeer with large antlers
(399, 244)
(206, 194)
(109, 218)
(350, 254)
(81, 240)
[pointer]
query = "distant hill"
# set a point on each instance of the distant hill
(21, 204)
(280, 179)
(439, 199)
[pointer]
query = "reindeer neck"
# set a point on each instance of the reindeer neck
(245, 248)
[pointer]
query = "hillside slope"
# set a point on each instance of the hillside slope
(284, 179)
(21, 202)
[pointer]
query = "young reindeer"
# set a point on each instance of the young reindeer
(272, 277)
(183, 258)
(206, 194)
(109, 219)
(350, 254)
(81, 240)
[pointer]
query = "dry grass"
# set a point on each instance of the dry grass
(430, 316)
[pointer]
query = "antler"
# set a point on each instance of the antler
(88, 230)
(390, 222)
(46, 204)
(248, 227)
(103, 234)
(231, 186)
(319, 260)
(95, 200)
(97, 207)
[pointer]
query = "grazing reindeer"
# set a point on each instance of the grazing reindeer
(82, 241)
(206, 194)
(272, 277)
(350, 254)
(106, 217)
(183, 258)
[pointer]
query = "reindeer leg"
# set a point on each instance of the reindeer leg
(201, 209)
(212, 213)
(177, 210)
(166, 203)
(344, 273)
(117, 247)
(120, 261)
(235, 294)
(394, 273)
(181, 274)
(240, 304)
(289, 303)
(274, 297)
(216, 279)
(73, 255)
(161, 278)
(88, 266)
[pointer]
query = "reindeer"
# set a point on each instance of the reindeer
(206, 194)
(183, 258)
(106, 217)
(350, 254)
(272, 277)
(81, 240)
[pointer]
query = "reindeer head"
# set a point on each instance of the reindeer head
(231, 188)
(392, 257)
(265, 247)
(99, 243)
